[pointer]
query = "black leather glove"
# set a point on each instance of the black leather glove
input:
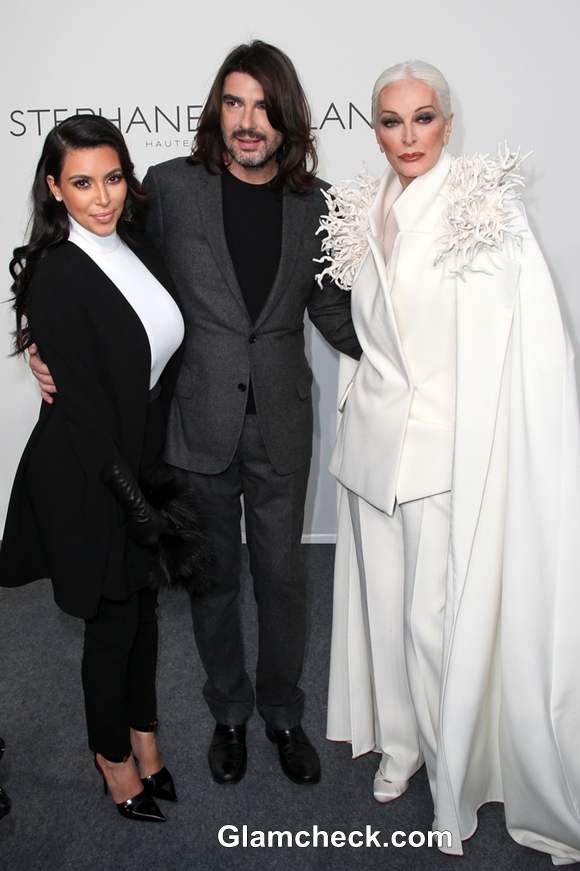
(145, 523)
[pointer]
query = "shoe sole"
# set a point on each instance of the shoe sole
(383, 798)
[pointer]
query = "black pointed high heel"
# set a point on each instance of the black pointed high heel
(160, 785)
(139, 807)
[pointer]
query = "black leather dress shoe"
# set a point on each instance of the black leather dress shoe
(298, 758)
(227, 753)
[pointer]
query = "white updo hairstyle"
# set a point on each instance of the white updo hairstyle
(414, 69)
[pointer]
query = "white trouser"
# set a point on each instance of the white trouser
(403, 566)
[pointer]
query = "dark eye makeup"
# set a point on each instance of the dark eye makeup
(393, 120)
(83, 183)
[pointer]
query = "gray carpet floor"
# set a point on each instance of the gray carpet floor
(61, 820)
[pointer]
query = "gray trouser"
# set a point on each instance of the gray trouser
(274, 514)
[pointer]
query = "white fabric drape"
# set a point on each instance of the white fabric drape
(510, 692)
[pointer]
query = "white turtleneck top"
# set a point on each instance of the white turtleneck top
(153, 305)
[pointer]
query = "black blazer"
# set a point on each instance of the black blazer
(63, 522)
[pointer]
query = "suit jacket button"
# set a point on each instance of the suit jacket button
(242, 387)
(252, 339)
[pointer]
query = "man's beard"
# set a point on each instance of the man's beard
(259, 158)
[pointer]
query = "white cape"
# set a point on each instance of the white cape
(510, 701)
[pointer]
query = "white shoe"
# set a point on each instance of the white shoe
(387, 790)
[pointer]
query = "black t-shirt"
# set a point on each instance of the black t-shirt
(253, 229)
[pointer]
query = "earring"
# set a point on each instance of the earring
(58, 199)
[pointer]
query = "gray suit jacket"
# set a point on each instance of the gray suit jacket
(222, 348)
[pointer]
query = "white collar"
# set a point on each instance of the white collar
(411, 204)
(91, 241)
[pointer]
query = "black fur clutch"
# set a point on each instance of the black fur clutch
(182, 558)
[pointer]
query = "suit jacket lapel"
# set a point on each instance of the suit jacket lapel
(293, 215)
(389, 190)
(416, 214)
(212, 216)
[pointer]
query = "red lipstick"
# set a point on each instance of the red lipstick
(409, 158)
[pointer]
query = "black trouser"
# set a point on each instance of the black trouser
(118, 669)
(5, 802)
(274, 514)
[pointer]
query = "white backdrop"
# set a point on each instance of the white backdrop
(513, 67)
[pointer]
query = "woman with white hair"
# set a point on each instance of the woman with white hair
(455, 637)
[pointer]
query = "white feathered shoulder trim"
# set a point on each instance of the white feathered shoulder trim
(481, 193)
(346, 226)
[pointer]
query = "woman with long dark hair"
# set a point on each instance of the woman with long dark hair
(94, 300)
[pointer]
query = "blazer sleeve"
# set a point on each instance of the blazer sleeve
(329, 311)
(66, 334)
(329, 306)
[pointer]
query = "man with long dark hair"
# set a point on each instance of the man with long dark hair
(236, 224)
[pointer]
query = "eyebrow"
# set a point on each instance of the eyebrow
(83, 175)
(420, 109)
(240, 99)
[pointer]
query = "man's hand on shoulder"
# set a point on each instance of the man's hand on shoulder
(42, 374)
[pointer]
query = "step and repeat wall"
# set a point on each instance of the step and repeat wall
(513, 67)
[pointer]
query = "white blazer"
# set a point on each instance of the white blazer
(385, 406)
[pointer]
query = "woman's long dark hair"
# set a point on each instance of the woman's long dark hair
(49, 218)
(287, 108)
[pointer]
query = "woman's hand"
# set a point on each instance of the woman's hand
(42, 374)
(145, 524)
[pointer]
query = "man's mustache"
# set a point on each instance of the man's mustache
(249, 132)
